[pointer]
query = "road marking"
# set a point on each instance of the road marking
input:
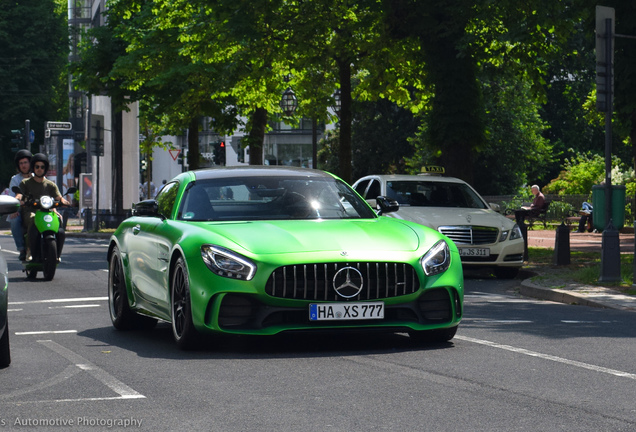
(108, 380)
(74, 306)
(67, 300)
(549, 357)
(585, 322)
(44, 332)
(79, 364)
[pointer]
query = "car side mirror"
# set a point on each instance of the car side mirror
(495, 207)
(386, 205)
(146, 208)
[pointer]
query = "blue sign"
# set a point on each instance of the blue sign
(32, 136)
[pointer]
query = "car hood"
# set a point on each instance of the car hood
(434, 217)
(276, 237)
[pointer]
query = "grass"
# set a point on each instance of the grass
(584, 268)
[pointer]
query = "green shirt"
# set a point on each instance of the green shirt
(33, 189)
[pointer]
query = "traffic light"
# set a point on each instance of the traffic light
(219, 153)
(17, 139)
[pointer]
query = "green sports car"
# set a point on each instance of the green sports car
(263, 250)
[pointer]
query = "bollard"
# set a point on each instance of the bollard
(562, 245)
(610, 255)
(524, 233)
(88, 220)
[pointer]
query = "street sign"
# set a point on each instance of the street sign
(174, 153)
(59, 125)
(604, 57)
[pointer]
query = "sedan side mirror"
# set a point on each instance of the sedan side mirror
(495, 207)
(386, 205)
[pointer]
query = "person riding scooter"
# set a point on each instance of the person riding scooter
(34, 188)
(22, 161)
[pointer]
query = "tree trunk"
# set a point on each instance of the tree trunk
(194, 153)
(344, 155)
(117, 161)
(257, 136)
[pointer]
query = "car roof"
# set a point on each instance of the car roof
(258, 171)
(422, 178)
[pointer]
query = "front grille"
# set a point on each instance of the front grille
(315, 281)
(473, 235)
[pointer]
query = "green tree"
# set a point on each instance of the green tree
(33, 54)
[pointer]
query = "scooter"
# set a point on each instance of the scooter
(47, 222)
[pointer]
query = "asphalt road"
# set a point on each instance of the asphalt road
(515, 364)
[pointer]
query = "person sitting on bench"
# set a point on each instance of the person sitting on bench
(534, 209)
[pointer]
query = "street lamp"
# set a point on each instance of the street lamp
(288, 102)
(338, 99)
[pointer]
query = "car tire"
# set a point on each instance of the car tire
(433, 336)
(50, 259)
(5, 352)
(183, 330)
(122, 317)
(506, 272)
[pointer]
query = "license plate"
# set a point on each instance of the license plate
(477, 252)
(345, 311)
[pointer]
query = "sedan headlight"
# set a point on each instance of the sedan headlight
(224, 262)
(437, 259)
(46, 202)
(516, 233)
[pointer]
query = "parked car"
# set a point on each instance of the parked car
(484, 237)
(8, 205)
(264, 250)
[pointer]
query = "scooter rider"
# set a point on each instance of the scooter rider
(35, 187)
(23, 164)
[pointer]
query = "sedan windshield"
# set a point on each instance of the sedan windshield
(434, 194)
(271, 198)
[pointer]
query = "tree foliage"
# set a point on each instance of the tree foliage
(33, 55)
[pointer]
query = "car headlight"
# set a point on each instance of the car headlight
(437, 259)
(46, 202)
(224, 262)
(504, 236)
(516, 233)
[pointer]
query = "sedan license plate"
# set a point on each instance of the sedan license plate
(345, 311)
(474, 252)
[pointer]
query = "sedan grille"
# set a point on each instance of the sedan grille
(473, 235)
(315, 281)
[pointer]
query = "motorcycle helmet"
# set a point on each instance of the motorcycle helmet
(21, 154)
(40, 157)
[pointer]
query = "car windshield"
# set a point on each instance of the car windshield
(271, 198)
(434, 194)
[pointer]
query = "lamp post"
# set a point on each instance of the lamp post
(288, 102)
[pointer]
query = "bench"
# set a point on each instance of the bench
(541, 216)
(574, 218)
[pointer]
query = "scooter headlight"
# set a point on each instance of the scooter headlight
(46, 202)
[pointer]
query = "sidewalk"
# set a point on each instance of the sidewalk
(595, 296)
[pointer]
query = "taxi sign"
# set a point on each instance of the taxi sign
(432, 169)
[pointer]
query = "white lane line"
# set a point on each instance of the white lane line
(110, 381)
(45, 332)
(549, 357)
(67, 300)
(74, 306)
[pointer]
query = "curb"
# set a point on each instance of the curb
(529, 289)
